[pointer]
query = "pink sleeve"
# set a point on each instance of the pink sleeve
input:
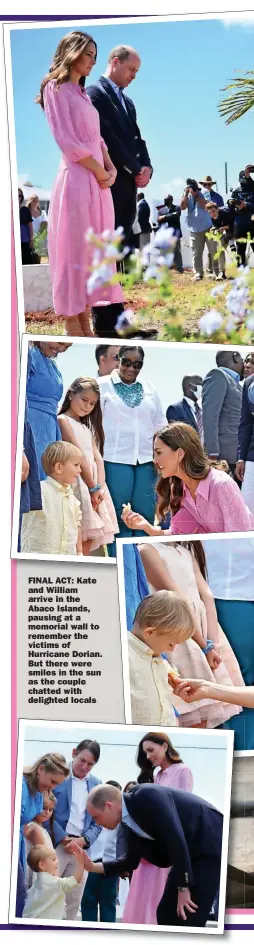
(185, 779)
(103, 144)
(183, 523)
(236, 515)
(58, 111)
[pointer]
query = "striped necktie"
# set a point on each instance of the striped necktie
(199, 421)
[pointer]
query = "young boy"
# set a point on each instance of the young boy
(46, 897)
(162, 620)
(56, 529)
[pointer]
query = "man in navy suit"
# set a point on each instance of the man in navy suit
(72, 821)
(167, 827)
(126, 147)
(188, 410)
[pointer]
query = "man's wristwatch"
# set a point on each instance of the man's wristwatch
(87, 843)
(182, 888)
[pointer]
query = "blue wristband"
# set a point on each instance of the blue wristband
(95, 488)
(209, 646)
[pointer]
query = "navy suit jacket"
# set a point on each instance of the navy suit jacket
(119, 129)
(62, 811)
(183, 827)
(181, 411)
(246, 426)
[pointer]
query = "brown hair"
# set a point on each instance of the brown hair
(165, 611)
(146, 766)
(59, 452)
(31, 200)
(87, 383)
(68, 50)
(52, 762)
(195, 464)
(37, 853)
(122, 53)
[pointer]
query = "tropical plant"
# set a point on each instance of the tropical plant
(242, 99)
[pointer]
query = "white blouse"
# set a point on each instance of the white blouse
(54, 530)
(129, 431)
(149, 688)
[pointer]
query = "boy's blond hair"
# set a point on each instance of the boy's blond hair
(59, 452)
(166, 612)
(38, 853)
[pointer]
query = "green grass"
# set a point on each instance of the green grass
(188, 299)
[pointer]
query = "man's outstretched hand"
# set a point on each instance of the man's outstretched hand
(184, 902)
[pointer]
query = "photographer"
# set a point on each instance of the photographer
(199, 223)
(222, 225)
(242, 202)
(169, 215)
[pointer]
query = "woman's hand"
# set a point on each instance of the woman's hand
(110, 180)
(192, 690)
(134, 521)
(213, 658)
(184, 901)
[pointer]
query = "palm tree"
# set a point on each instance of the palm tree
(242, 99)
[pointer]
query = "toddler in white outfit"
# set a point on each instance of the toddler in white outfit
(46, 897)
(56, 529)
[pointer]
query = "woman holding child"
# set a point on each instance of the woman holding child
(51, 769)
(201, 497)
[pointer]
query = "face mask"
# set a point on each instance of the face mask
(197, 391)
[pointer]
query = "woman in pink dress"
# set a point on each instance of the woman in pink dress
(80, 423)
(148, 881)
(81, 196)
(200, 495)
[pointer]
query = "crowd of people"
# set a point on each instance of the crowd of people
(78, 836)
(104, 170)
(185, 602)
(109, 462)
(33, 222)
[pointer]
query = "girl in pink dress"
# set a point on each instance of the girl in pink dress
(181, 567)
(200, 495)
(80, 422)
(148, 881)
(81, 196)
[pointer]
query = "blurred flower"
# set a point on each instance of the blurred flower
(100, 277)
(217, 291)
(250, 322)
(210, 322)
(164, 238)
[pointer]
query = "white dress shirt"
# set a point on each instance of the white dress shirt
(46, 898)
(117, 91)
(54, 529)
(129, 431)
(79, 794)
(104, 847)
(150, 691)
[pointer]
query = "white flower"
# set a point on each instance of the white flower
(99, 278)
(231, 324)
(89, 234)
(107, 235)
(111, 252)
(210, 322)
(152, 272)
(164, 238)
(118, 232)
(126, 318)
(250, 322)
(217, 291)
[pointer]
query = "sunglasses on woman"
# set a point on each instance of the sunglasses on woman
(135, 364)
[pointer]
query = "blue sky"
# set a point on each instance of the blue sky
(184, 66)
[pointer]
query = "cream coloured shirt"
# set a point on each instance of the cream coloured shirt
(54, 530)
(46, 898)
(150, 692)
(79, 794)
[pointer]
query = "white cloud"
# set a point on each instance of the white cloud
(239, 20)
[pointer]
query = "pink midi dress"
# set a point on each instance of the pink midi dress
(100, 527)
(77, 202)
(148, 881)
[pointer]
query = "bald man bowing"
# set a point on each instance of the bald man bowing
(168, 828)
